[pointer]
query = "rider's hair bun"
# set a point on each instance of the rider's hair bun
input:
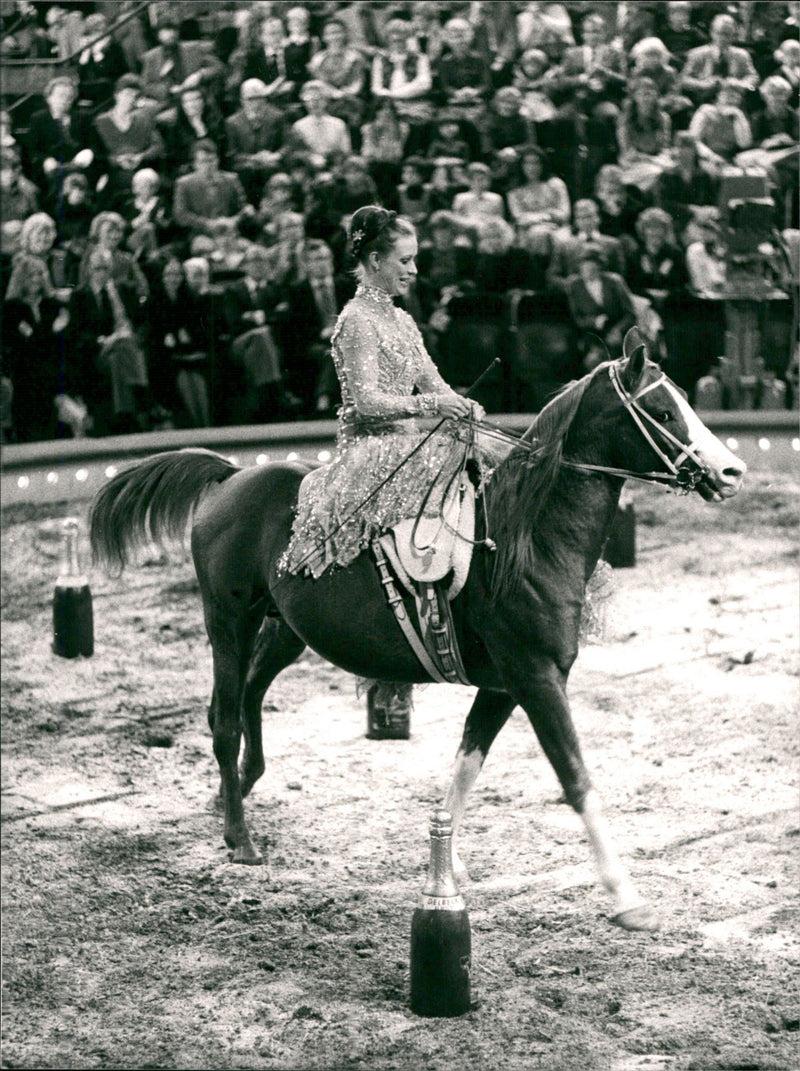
(366, 227)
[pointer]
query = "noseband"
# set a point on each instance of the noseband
(684, 471)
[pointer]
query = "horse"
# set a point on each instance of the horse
(549, 506)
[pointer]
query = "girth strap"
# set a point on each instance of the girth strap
(443, 663)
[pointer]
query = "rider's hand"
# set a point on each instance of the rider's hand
(453, 405)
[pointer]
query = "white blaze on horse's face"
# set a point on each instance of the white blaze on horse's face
(726, 470)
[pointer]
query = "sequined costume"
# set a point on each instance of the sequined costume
(381, 362)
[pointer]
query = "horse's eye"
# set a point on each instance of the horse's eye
(664, 416)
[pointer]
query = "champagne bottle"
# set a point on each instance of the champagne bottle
(441, 944)
(73, 625)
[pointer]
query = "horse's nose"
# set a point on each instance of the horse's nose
(731, 476)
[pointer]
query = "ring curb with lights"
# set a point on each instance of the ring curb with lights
(75, 468)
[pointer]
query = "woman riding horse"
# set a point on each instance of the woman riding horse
(387, 378)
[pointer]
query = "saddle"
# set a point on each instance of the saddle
(430, 559)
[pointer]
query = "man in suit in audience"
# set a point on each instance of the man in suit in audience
(314, 305)
(568, 245)
(601, 306)
(254, 137)
(207, 195)
(175, 65)
(709, 66)
(251, 308)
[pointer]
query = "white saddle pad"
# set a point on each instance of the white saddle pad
(429, 548)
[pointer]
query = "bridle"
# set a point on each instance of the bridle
(684, 472)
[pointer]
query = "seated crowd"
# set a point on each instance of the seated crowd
(174, 214)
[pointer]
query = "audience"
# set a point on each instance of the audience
(163, 177)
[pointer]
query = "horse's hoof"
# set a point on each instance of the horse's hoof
(247, 856)
(642, 918)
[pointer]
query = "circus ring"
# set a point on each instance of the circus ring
(131, 941)
(73, 470)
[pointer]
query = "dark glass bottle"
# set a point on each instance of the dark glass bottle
(73, 623)
(389, 705)
(441, 943)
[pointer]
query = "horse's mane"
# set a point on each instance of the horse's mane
(521, 486)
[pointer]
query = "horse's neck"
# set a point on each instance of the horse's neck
(577, 517)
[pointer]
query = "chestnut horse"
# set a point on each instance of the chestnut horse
(548, 506)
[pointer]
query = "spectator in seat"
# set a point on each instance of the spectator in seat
(101, 63)
(601, 307)
(225, 249)
(506, 127)
(127, 137)
(679, 36)
(705, 259)
(196, 118)
(401, 73)
(444, 265)
(207, 194)
(382, 146)
(656, 267)
(650, 58)
(721, 129)
(427, 28)
(537, 22)
(462, 75)
(449, 139)
(174, 65)
(254, 136)
(314, 305)
(354, 186)
(709, 67)
(530, 77)
(787, 60)
(179, 350)
(37, 239)
(568, 244)
(19, 196)
(591, 78)
(74, 224)
(58, 141)
(644, 135)
(147, 214)
(33, 326)
(776, 140)
(619, 205)
(479, 202)
(686, 185)
(323, 139)
(106, 233)
(299, 48)
(109, 364)
(278, 198)
(414, 194)
(250, 311)
(342, 71)
(500, 265)
(285, 257)
(539, 204)
(267, 62)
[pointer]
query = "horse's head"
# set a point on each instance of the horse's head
(662, 433)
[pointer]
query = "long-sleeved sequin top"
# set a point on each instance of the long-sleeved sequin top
(380, 359)
(384, 468)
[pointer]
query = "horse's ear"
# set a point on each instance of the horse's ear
(634, 352)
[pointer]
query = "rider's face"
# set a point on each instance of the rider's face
(397, 269)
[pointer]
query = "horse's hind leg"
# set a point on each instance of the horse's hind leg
(488, 714)
(276, 647)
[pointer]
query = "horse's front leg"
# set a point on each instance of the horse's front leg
(541, 691)
(487, 716)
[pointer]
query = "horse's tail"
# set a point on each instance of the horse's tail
(152, 499)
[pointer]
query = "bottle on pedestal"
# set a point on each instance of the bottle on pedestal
(441, 943)
(73, 624)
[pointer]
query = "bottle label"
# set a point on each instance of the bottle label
(442, 903)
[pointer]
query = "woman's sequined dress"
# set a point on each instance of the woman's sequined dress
(387, 379)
